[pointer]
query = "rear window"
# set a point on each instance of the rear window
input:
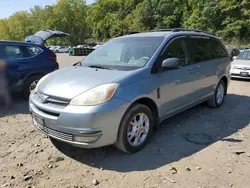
(34, 50)
(205, 49)
(34, 39)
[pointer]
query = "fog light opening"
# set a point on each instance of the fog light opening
(87, 139)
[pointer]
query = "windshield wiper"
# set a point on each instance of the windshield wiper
(99, 67)
(79, 63)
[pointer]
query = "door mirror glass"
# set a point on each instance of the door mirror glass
(171, 63)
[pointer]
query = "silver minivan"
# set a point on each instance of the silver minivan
(121, 91)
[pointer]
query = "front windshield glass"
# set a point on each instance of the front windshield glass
(124, 52)
(244, 56)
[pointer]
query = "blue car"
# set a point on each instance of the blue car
(29, 61)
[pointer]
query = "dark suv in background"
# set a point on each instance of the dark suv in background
(28, 61)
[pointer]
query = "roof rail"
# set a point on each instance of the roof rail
(195, 30)
(159, 30)
(182, 29)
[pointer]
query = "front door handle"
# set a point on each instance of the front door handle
(197, 68)
(190, 71)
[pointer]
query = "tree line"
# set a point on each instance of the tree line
(105, 19)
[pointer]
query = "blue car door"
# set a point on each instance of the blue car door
(19, 63)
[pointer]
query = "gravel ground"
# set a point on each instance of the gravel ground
(30, 159)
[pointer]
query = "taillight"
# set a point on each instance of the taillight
(53, 57)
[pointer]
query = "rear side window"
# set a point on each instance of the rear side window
(34, 50)
(199, 50)
(217, 48)
(205, 49)
(16, 52)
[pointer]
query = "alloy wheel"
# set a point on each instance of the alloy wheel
(220, 94)
(138, 129)
(33, 85)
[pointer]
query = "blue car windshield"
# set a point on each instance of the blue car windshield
(124, 52)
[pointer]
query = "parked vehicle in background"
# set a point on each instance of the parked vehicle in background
(80, 46)
(122, 90)
(53, 47)
(241, 66)
(26, 64)
(97, 46)
(61, 49)
(28, 61)
(243, 49)
(233, 52)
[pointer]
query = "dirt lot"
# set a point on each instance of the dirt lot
(30, 159)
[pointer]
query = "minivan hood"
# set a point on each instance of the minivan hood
(241, 63)
(71, 81)
(42, 36)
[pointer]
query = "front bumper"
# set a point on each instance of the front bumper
(64, 123)
(237, 73)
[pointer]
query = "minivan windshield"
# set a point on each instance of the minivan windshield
(244, 56)
(123, 53)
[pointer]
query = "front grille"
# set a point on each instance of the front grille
(58, 101)
(243, 68)
(46, 99)
(239, 75)
(57, 134)
(60, 135)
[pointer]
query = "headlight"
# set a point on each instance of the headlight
(95, 96)
(43, 78)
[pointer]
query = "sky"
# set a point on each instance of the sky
(8, 7)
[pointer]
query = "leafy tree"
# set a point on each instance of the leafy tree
(105, 19)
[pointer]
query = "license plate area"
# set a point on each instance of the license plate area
(244, 74)
(39, 122)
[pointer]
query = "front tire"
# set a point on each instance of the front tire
(30, 84)
(135, 129)
(218, 98)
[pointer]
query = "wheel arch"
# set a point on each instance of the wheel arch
(150, 103)
(30, 75)
(225, 80)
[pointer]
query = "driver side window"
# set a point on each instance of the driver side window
(176, 49)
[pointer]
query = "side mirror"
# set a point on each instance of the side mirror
(234, 57)
(171, 63)
(77, 63)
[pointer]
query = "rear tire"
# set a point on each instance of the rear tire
(218, 98)
(30, 84)
(135, 129)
